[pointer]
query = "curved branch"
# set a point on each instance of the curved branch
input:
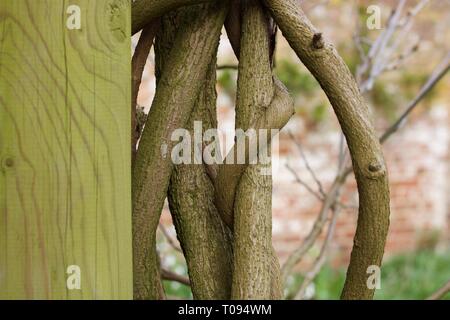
(275, 116)
(174, 100)
(323, 61)
(332, 195)
(172, 276)
(311, 238)
(204, 238)
(256, 108)
(233, 26)
(144, 11)
(137, 68)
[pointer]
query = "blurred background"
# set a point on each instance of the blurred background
(391, 65)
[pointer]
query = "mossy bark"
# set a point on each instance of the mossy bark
(206, 241)
(176, 94)
(143, 11)
(255, 269)
(137, 68)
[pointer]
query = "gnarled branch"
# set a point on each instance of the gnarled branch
(137, 68)
(275, 116)
(174, 100)
(204, 238)
(144, 11)
(322, 60)
(252, 210)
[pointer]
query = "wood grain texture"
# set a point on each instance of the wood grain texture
(64, 147)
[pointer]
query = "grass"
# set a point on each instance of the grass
(412, 276)
(407, 276)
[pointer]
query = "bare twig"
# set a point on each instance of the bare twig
(172, 276)
(227, 66)
(380, 57)
(321, 258)
(439, 294)
(307, 165)
(374, 63)
(332, 195)
(316, 230)
(169, 238)
(303, 183)
(435, 77)
(396, 63)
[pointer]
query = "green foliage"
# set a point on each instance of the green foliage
(319, 112)
(178, 290)
(227, 81)
(350, 55)
(411, 82)
(407, 276)
(414, 276)
(384, 100)
(296, 80)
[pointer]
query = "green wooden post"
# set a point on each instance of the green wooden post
(65, 196)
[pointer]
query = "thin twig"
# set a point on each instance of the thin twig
(435, 77)
(227, 66)
(169, 238)
(332, 195)
(172, 276)
(382, 50)
(307, 165)
(441, 292)
(303, 183)
(321, 258)
(402, 57)
(316, 230)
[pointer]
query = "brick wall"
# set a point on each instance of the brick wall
(417, 157)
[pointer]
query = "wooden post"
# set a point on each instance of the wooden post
(65, 195)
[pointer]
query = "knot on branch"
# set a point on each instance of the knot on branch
(317, 41)
(375, 170)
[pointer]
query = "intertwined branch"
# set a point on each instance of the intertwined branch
(226, 210)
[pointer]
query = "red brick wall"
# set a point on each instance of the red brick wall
(417, 157)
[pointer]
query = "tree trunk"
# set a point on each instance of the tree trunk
(204, 238)
(174, 100)
(254, 262)
(144, 11)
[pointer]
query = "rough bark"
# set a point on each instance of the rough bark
(204, 238)
(322, 60)
(275, 116)
(144, 11)
(174, 100)
(255, 268)
(137, 68)
(233, 26)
